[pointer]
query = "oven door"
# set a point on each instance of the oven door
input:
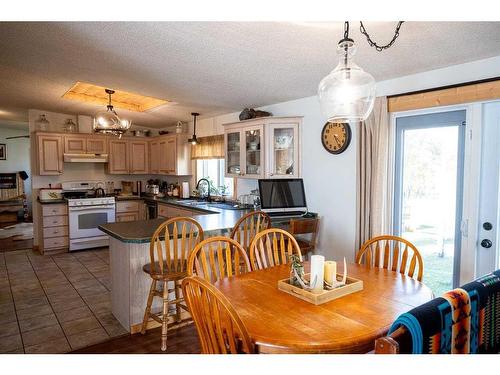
(84, 221)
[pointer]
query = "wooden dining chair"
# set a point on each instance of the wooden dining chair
(248, 226)
(272, 247)
(300, 227)
(219, 327)
(216, 258)
(170, 246)
(392, 253)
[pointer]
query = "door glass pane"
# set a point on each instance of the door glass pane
(233, 153)
(92, 220)
(283, 145)
(431, 165)
(253, 142)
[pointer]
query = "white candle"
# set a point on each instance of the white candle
(330, 272)
(317, 272)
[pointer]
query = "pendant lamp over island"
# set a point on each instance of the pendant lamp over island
(193, 140)
(347, 94)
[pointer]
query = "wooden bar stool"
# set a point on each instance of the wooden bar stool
(248, 226)
(169, 250)
(305, 227)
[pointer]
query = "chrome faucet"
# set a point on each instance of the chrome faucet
(208, 187)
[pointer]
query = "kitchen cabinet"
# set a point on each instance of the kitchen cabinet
(139, 157)
(118, 160)
(53, 225)
(85, 144)
(50, 154)
(128, 156)
(154, 156)
(263, 148)
(174, 155)
(130, 210)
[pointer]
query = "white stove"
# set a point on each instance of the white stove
(86, 214)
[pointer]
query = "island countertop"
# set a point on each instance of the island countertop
(218, 222)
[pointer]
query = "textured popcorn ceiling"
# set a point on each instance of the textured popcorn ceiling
(212, 68)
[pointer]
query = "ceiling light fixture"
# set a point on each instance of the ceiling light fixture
(108, 122)
(194, 140)
(348, 92)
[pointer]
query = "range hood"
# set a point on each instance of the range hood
(85, 158)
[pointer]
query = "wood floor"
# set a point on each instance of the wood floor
(180, 341)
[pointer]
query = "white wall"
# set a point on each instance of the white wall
(330, 180)
(17, 156)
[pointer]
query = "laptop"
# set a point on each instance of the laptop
(283, 197)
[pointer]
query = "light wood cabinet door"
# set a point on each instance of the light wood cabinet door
(283, 150)
(118, 162)
(50, 155)
(162, 156)
(97, 145)
(139, 157)
(75, 144)
(168, 211)
(171, 156)
(154, 156)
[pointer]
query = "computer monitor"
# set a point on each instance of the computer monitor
(282, 195)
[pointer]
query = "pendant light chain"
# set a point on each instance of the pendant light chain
(372, 43)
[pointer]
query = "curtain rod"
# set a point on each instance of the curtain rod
(445, 87)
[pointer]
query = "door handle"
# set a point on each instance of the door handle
(486, 243)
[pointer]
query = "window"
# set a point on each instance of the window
(213, 170)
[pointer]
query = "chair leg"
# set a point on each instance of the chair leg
(164, 317)
(148, 307)
(177, 296)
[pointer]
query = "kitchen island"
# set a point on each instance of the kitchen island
(129, 252)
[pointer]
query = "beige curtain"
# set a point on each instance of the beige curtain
(375, 175)
(209, 148)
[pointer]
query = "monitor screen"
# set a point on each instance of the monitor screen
(282, 193)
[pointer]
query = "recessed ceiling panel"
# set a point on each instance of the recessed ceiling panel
(90, 93)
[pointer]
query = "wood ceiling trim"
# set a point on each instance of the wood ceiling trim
(90, 93)
(448, 96)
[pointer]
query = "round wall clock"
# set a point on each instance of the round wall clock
(336, 137)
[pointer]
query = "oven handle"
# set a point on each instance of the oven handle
(107, 207)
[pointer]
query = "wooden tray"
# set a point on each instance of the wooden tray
(352, 285)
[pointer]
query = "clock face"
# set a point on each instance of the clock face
(336, 137)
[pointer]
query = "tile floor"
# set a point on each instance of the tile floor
(55, 304)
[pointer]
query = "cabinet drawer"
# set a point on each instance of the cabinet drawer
(55, 232)
(163, 210)
(55, 221)
(127, 206)
(55, 242)
(133, 216)
(54, 209)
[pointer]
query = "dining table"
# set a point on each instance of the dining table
(279, 322)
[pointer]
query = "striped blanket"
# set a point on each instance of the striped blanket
(463, 320)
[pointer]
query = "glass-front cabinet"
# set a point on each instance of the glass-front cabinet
(283, 143)
(263, 148)
(233, 153)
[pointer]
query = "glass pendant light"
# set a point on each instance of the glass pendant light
(348, 92)
(108, 122)
(193, 140)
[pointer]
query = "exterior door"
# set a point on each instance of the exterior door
(488, 257)
(429, 192)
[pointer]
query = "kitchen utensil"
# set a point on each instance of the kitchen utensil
(152, 189)
(138, 188)
(127, 187)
